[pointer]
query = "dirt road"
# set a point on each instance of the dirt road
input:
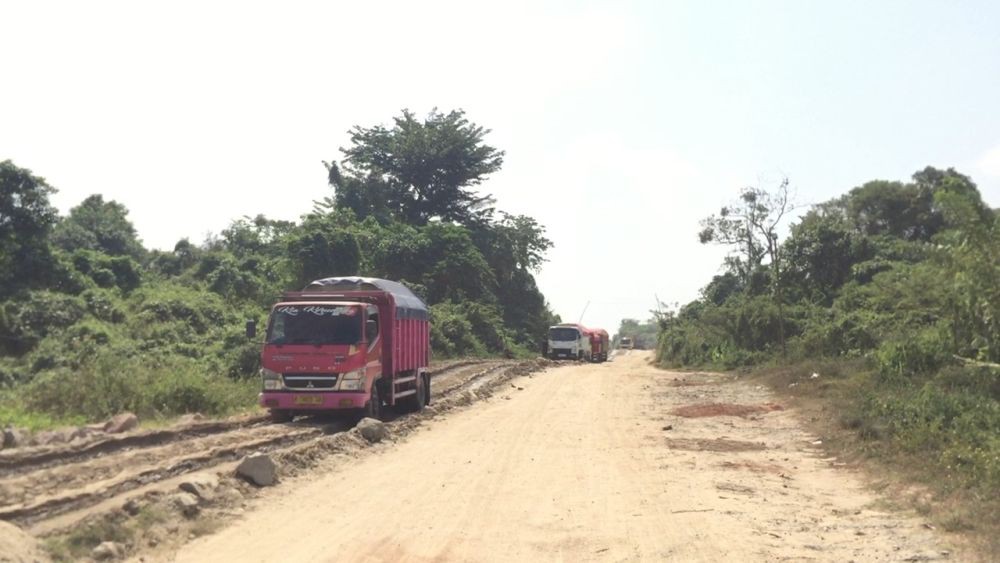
(584, 463)
(52, 488)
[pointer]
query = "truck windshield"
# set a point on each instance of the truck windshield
(314, 324)
(563, 334)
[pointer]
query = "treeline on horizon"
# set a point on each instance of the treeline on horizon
(92, 323)
(890, 294)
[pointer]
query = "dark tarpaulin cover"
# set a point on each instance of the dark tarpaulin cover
(408, 305)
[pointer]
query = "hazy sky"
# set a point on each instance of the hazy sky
(624, 123)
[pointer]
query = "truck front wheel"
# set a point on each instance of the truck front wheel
(373, 409)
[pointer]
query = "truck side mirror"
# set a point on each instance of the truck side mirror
(371, 330)
(251, 328)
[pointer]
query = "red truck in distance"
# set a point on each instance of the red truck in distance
(599, 344)
(347, 345)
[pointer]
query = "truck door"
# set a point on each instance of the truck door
(373, 342)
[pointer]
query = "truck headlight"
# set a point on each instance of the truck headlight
(272, 379)
(352, 380)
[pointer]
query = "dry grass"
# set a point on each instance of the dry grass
(906, 479)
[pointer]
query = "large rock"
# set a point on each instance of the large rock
(17, 546)
(258, 469)
(14, 437)
(372, 430)
(201, 485)
(108, 550)
(121, 423)
(187, 503)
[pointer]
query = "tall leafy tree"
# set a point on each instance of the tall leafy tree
(100, 225)
(751, 226)
(26, 219)
(417, 170)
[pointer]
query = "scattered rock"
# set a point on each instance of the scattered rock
(258, 469)
(372, 430)
(66, 435)
(121, 423)
(132, 507)
(668, 427)
(108, 550)
(18, 546)
(190, 418)
(229, 496)
(14, 437)
(187, 503)
(201, 485)
(814, 376)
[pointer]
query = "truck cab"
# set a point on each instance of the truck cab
(568, 342)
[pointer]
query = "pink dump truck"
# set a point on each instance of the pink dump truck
(347, 345)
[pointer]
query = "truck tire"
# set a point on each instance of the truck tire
(280, 416)
(373, 408)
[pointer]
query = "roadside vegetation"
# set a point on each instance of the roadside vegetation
(93, 323)
(880, 312)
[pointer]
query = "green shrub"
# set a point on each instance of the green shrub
(111, 384)
(906, 356)
(451, 332)
(27, 320)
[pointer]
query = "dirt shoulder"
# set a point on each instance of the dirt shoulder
(584, 462)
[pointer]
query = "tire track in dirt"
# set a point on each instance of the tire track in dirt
(44, 483)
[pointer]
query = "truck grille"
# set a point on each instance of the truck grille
(310, 381)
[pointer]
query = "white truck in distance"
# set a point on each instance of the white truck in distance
(568, 341)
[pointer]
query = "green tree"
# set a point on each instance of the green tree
(821, 252)
(26, 219)
(417, 170)
(751, 226)
(319, 248)
(99, 225)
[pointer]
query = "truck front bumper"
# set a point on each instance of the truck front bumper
(562, 353)
(313, 401)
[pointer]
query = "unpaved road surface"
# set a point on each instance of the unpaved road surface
(49, 489)
(584, 463)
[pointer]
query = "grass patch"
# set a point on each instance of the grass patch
(78, 543)
(14, 413)
(939, 433)
(150, 389)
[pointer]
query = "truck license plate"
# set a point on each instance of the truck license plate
(308, 400)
